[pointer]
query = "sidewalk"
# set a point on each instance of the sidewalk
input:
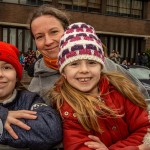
(26, 79)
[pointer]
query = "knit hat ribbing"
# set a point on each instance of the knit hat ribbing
(9, 53)
(80, 42)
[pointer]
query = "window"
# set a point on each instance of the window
(23, 1)
(94, 5)
(80, 5)
(129, 8)
(112, 6)
(66, 4)
(5, 33)
(28, 2)
(128, 47)
(34, 2)
(47, 1)
(12, 36)
(20, 37)
(136, 8)
(10, 1)
(27, 40)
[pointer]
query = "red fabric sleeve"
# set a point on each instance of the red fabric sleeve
(138, 123)
(74, 136)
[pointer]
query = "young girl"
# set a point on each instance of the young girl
(93, 102)
(43, 124)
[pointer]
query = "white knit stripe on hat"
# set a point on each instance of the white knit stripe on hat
(80, 57)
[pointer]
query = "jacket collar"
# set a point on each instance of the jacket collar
(104, 85)
(11, 98)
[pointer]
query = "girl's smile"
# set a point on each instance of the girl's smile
(84, 75)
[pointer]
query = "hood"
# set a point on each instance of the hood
(40, 69)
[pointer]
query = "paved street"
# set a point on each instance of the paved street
(25, 79)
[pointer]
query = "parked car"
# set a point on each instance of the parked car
(142, 73)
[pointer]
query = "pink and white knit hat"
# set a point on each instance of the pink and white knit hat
(79, 42)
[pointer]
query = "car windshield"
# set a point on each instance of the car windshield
(140, 73)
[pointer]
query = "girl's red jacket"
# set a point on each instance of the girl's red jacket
(124, 133)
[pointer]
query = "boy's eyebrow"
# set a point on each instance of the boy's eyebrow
(5, 62)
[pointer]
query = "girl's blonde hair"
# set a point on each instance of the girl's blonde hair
(88, 108)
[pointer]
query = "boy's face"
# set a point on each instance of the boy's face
(83, 75)
(7, 80)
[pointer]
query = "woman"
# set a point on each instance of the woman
(47, 26)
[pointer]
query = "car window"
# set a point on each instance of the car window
(140, 73)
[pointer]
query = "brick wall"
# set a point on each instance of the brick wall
(112, 24)
(14, 13)
(19, 14)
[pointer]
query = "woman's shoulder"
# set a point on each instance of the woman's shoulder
(110, 65)
(39, 63)
(42, 69)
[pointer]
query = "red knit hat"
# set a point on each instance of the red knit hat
(9, 53)
(15, 49)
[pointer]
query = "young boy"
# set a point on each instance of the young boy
(43, 128)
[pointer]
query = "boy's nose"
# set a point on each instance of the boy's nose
(1, 73)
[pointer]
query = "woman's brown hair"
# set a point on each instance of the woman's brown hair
(49, 10)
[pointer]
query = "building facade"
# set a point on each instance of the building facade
(122, 25)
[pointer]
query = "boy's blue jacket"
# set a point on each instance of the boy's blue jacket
(46, 130)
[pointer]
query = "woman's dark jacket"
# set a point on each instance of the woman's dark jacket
(45, 131)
